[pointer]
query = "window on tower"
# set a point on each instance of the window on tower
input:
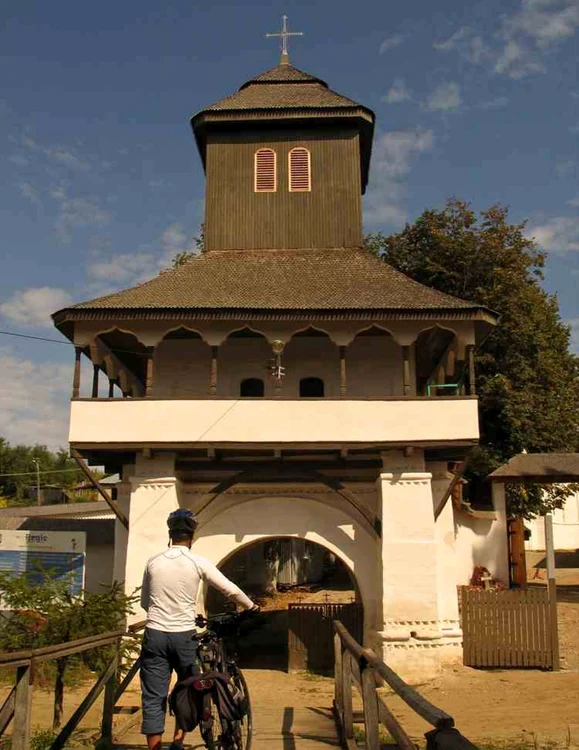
(300, 178)
(265, 171)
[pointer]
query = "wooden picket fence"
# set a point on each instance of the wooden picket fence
(311, 633)
(516, 628)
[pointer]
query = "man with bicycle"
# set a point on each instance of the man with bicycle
(169, 596)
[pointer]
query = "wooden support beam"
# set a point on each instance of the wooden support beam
(113, 505)
(133, 384)
(342, 372)
(458, 474)
(111, 388)
(213, 372)
(95, 380)
(471, 372)
(149, 380)
(76, 376)
(406, 370)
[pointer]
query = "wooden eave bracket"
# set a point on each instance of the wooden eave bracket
(113, 505)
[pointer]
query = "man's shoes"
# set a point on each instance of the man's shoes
(176, 746)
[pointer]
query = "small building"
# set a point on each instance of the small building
(288, 383)
(95, 519)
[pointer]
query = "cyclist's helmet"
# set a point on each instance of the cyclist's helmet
(182, 521)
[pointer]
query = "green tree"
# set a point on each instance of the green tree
(527, 379)
(184, 256)
(49, 614)
(18, 470)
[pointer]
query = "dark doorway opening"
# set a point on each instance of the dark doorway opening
(251, 388)
(311, 388)
(280, 574)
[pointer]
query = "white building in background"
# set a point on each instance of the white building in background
(565, 527)
(287, 382)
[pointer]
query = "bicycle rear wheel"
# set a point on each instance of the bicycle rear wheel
(243, 728)
(213, 734)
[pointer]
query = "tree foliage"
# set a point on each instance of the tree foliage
(527, 379)
(185, 255)
(18, 461)
(50, 614)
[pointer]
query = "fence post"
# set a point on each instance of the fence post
(109, 702)
(552, 587)
(338, 684)
(370, 707)
(22, 707)
(348, 720)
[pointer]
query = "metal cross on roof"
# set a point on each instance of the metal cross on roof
(284, 34)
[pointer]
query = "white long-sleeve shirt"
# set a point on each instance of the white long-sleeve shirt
(171, 585)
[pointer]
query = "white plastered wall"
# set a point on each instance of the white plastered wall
(233, 523)
(565, 527)
(482, 541)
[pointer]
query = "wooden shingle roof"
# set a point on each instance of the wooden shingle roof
(543, 468)
(343, 279)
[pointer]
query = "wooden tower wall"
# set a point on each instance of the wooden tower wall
(236, 217)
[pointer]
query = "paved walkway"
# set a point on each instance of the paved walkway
(290, 712)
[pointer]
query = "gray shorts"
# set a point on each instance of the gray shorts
(162, 653)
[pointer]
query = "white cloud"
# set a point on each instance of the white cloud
(28, 190)
(559, 234)
(453, 41)
(392, 157)
(574, 323)
(75, 212)
(66, 156)
(496, 103)
(521, 41)
(574, 202)
(528, 34)
(444, 98)
(391, 42)
(126, 269)
(397, 93)
(33, 307)
(34, 400)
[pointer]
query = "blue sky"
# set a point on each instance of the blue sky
(102, 183)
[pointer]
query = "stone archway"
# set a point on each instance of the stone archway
(234, 525)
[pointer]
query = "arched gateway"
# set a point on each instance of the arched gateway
(286, 381)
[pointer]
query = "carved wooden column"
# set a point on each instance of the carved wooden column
(95, 381)
(471, 373)
(149, 377)
(406, 370)
(111, 388)
(76, 376)
(342, 372)
(213, 372)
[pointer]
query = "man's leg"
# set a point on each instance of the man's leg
(155, 677)
(184, 662)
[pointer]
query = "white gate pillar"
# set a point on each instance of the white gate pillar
(411, 636)
(153, 496)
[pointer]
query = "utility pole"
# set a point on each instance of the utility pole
(35, 462)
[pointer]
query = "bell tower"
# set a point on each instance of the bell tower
(286, 162)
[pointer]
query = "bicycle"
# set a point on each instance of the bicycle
(217, 731)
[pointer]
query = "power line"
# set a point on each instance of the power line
(66, 343)
(42, 471)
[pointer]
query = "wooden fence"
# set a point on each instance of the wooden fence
(311, 633)
(359, 667)
(17, 706)
(516, 628)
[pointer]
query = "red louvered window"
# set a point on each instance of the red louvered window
(265, 178)
(299, 171)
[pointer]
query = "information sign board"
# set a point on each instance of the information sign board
(56, 554)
